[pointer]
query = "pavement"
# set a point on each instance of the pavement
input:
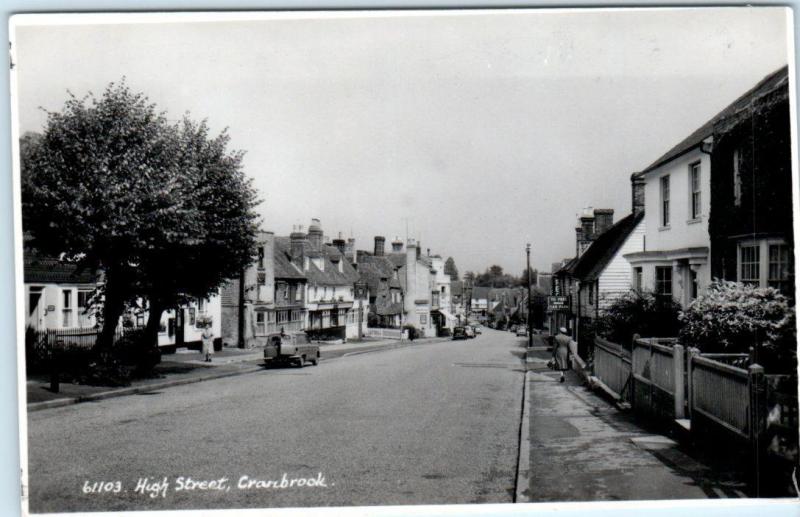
(428, 422)
(582, 448)
(185, 367)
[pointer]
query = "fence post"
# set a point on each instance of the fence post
(677, 365)
(690, 353)
(757, 418)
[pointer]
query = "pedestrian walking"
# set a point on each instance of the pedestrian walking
(561, 352)
(208, 342)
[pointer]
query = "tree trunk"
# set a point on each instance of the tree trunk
(154, 312)
(113, 307)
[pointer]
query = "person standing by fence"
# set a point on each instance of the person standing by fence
(561, 351)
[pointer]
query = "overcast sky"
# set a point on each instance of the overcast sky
(480, 131)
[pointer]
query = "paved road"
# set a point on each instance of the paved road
(430, 423)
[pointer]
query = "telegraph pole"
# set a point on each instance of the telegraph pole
(528, 261)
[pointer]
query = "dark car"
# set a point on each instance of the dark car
(291, 349)
(460, 333)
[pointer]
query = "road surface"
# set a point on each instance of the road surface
(432, 423)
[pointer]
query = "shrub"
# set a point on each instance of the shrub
(635, 312)
(412, 331)
(732, 317)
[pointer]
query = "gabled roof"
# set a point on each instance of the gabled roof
(595, 259)
(766, 85)
(373, 270)
(284, 268)
(49, 270)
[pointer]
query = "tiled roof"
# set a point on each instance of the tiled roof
(599, 254)
(49, 270)
(772, 81)
(284, 268)
(398, 259)
(329, 275)
(480, 293)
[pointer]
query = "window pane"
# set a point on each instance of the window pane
(749, 259)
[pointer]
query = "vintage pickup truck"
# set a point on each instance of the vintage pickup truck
(291, 348)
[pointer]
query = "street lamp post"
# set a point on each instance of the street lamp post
(530, 329)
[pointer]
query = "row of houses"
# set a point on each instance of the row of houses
(301, 282)
(718, 204)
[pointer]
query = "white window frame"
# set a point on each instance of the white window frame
(763, 246)
(671, 281)
(695, 192)
(664, 196)
(66, 308)
(261, 323)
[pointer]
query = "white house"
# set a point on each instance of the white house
(58, 296)
(675, 258)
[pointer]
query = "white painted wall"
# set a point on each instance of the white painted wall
(682, 232)
(616, 279)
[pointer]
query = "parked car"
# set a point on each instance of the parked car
(476, 329)
(512, 328)
(460, 333)
(291, 348)
(522, 330)
(470, 333)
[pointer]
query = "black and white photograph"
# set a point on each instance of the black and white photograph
(362, 258)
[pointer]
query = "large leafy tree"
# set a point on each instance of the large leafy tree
(162, 210)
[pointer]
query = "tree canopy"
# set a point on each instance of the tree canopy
(450, 268)
(162, 210)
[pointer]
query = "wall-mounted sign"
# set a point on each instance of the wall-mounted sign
(558, 303)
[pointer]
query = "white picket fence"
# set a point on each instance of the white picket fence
(384, 333)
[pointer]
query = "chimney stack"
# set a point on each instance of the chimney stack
(397, 245)
(603, 220)
(315, 235)
(637, 193)
(586, 235)
(297, 245)
(379, 244)
(339, 243)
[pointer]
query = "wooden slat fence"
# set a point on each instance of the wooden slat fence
(721, 393)
(612, 366)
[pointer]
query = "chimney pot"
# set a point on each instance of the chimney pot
(315, 235)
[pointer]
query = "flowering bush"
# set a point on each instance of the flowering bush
(732, 317)
(643, 313)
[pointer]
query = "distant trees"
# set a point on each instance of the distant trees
(450, 268)
(495, 277)
(523, 279)
(163, 211)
